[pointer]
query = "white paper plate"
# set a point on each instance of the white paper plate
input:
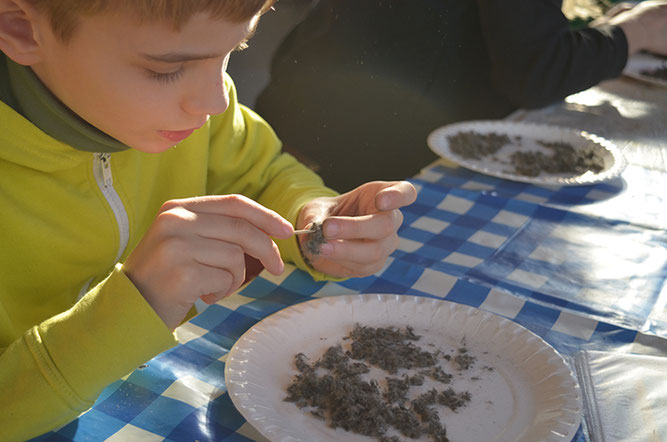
(499, 164)
(639, 63)
(530, 394)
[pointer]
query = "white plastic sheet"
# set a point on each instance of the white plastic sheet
(625, 396)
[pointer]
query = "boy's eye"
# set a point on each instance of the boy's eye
(166, 77)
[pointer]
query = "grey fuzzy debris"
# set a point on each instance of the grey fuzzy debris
(313, 241)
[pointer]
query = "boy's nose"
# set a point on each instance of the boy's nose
(208, 99)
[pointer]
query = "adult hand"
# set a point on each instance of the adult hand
(195, 249)
(360, 227)
(612, 12)
(644, 25)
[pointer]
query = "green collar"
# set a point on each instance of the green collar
(36, 103)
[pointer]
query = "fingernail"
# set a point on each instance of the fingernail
(331, 230)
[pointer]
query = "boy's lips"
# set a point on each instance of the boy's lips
(176, 135)
(180, 135)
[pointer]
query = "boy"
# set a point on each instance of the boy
(116, 116)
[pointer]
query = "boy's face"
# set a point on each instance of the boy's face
(146, 85)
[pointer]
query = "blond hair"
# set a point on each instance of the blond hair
(64, 14)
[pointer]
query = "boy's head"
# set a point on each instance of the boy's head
(146, 72)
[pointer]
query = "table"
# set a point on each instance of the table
(583, 267)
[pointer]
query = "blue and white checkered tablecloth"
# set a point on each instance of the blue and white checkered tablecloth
(636, 196)
(556, 252)
(489, 245)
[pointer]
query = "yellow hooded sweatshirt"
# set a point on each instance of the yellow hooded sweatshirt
(70, 320)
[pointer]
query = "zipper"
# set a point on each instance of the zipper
(104, 178)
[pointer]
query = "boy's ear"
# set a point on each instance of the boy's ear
(17, 32)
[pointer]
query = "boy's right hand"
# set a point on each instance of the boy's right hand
(195, 249)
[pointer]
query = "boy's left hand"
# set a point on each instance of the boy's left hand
(360, 227)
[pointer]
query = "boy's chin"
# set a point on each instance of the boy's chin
(154, 147)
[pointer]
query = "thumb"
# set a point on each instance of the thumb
(396, 195)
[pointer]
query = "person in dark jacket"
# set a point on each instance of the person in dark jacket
(358, 85)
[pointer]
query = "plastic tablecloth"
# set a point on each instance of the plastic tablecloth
(583, 267)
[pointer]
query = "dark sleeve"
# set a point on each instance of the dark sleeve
(537, 59)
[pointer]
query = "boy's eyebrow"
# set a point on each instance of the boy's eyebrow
(179, 57)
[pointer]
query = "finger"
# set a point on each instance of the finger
(618, 8)
(237, 206)
(212, 298)
(354, 253)
(219, 255)
(375, 226)
(611, 13)
(395, 196)
(229, 230)
(340, 270)
(202, 279)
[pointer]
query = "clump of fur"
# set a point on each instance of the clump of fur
(313, 241)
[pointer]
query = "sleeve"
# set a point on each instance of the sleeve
(57, 369)
(538, 59)
(246, 158)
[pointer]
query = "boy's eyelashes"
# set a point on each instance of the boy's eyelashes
(165, 77)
